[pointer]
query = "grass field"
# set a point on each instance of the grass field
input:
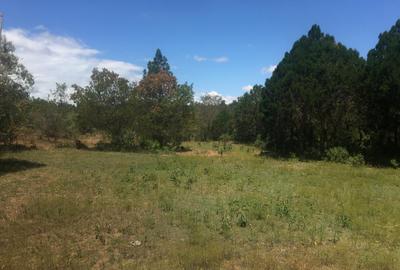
(71, 209)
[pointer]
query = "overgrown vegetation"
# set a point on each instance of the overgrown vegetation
(71, 209)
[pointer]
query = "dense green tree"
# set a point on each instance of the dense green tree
(53, 118)
(15, 82)
(164, 109)
(311, 101)
(104, 105)
(247, 116)
(222, 123)
(206, 112)
(383, 91)
(158, 64)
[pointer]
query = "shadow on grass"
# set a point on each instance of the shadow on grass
(15, 165)
(16, 148)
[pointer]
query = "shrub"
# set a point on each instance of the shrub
(259, 142)
(341, 155)
(224, 144)
(337, 154)
(395, 163)
(357, 160)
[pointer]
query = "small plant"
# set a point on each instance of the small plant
(337, 154)
(175, 177)
(293, 157)
(223, 145)
(166, 203)
(282, 209)
(226, 225)
(259, 142)
(242, 219)
(344, 221)
(395, 163)
(189, 182)
(356, 160)
(238, 209)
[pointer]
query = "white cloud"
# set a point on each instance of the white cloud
(247, 88)
(199, 58)
(221, 59)
(268, 70)
(227, 99)
(54, 58)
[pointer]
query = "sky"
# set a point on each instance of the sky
(221, 46)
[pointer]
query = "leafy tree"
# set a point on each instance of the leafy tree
(383, 91)
(222, 123)
(104, 105)
(223, 145)
(158, 64)
(311, 101)
(164, 109)
(54, 118)
(206, 112)
(15, 81)
(59, 95)
(247, 116)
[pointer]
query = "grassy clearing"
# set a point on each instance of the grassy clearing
(195, 210)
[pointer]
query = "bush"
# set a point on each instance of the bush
(357, 160)
(337, 154)
(259, 142)
(224, 144)
(395, 163)
(341, 155)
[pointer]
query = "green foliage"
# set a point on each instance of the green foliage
(104, 105)
(248, 117)
(158, 64)
(15, 81)
(223, 145)
(395, 163)
(54, 118)
(357, 160)
(341, 155)
(163, 109)
(310, 103)
(382, 92)
(212, 118)
(337, 154)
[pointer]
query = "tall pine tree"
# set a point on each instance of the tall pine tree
(310, 102)
(383, 91)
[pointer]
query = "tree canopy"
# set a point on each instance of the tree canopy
(158, 64)
(15, 83)
(310, 102)
(382, 90)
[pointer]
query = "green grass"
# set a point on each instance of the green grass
(84, 209)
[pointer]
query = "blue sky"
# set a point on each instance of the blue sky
(219, 45)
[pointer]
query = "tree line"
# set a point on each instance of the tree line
(322, 95)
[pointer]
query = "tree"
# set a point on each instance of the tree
(383, 91)
(54, 118)
(59, 94)
(163, 108)
(222, 124)
(206, 111)
(15, 82)
(247, 116)
(104, 105)
(311, 101)
(158, 64)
